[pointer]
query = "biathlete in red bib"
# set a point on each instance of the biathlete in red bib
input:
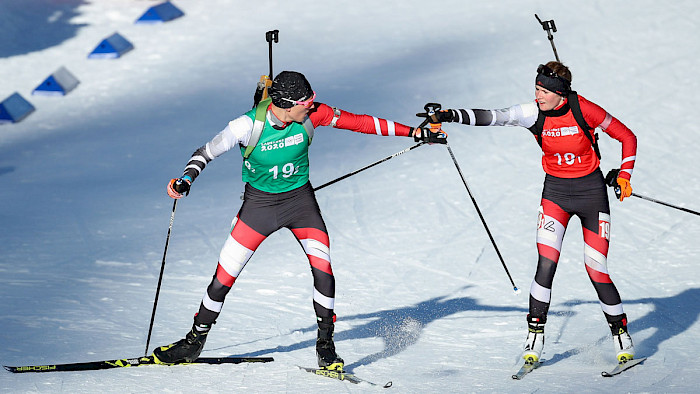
(563, 122)
(274, 140)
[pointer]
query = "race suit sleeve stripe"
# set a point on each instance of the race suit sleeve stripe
(323, 115)
(377, 126)
(627, 165)
(197, 162)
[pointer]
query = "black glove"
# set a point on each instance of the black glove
(179, 187)
(611, 178)
(431, 136)
(182, 186)
(621, 186)
(443, 116)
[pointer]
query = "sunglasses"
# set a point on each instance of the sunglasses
(305, 103)
(547, 72)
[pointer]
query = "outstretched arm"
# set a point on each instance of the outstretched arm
(323, 115)
(524, 115)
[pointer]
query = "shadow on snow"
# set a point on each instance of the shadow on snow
(398, 328)
(402, 327)
(670, 316)
(34, 25)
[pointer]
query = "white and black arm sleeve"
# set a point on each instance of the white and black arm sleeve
(237, 132)
(524, 115)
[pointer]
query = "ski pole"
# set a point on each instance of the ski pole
(611, 180)
(368, 166)
(375, 163)
(549, 27)
(160, 278)
(666, 204)
(430, 109)
(483, 221)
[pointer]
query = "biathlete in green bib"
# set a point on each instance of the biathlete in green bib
(274, 140)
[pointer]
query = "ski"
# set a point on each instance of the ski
(623, 366)
(131, 362)
(340, 375)
(527, 366)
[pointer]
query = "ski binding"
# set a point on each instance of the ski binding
(528, 366)
(341, 375)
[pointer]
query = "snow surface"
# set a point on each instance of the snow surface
(422, 298)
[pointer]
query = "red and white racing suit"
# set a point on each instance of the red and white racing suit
(263, 213)
(573, 185)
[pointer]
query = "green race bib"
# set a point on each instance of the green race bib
(280, 161)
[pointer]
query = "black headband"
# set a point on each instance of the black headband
(552, 81)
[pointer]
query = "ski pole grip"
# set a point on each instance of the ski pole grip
(547, 25)
(272, 35)
(431, 108)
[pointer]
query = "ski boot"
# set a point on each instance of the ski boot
(622, 341)
(184, 350)
(535, 339)
(325, 348)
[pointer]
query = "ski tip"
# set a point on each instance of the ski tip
(388, 384)
(623, 366)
